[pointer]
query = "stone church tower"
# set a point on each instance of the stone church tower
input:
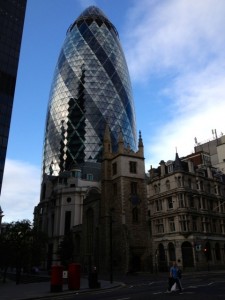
(124, 232)
(106, 213)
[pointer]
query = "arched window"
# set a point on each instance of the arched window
(162, 256)
(217, 251)
(168, 184)
(207, 251)
(43, 191)
(172, 254)
(90, 227)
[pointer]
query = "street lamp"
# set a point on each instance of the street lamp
(111, 249)
(110, 246)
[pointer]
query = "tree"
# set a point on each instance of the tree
(21, 247)
(66, 248)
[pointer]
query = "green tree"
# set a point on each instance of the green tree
(21, 247)
(66, 248)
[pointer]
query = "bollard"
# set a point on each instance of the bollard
(93, 279)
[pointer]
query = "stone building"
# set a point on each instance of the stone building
(106, 216)
(60, 209)
(123, 198)
(186, 203)
(216, 150)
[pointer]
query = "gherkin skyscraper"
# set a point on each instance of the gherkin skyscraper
(91, 88)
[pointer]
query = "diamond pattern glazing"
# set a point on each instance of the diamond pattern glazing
(91, 87)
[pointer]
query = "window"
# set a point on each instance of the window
(197, 185)
(184, 223)
(214, 225)
(221, 207)
(222, 226)
(194, 224)
(114, 168)
(189, 183)
(218, 190)
(191, 201)
(43, 191)
(209, 188)
(159, 226)
(203, 203)
(133, 187)
(135, 215)
(168, 184)
(179, 182)
(210, 204)
(133, 167)
(207, 225)
(76, 174)
(202, 225)
(171, 224)
(217, 251)
(198, 201)
(170, 202)
(181, 200)
(90, 177)
(67, 222)
(158, 205)
(157, 188)
(201, 186)
(170, 168)
(90, 230)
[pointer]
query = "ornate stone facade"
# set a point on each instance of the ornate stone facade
(186, 202)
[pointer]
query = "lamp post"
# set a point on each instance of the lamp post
(111, 249)
(110, 246)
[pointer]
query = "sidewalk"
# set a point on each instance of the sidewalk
(11, 291)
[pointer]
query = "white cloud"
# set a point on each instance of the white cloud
(182, 41)
(20, 190)
(175, 34)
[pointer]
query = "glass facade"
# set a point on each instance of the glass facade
(91, 87)
(12, 14)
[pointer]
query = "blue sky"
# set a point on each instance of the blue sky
(175, 54)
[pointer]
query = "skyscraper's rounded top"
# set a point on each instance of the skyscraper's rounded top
(91, 89)
(93, 13)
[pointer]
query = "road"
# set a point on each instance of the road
(206, 286)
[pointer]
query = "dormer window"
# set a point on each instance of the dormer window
(170, 168)
(90, 177)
